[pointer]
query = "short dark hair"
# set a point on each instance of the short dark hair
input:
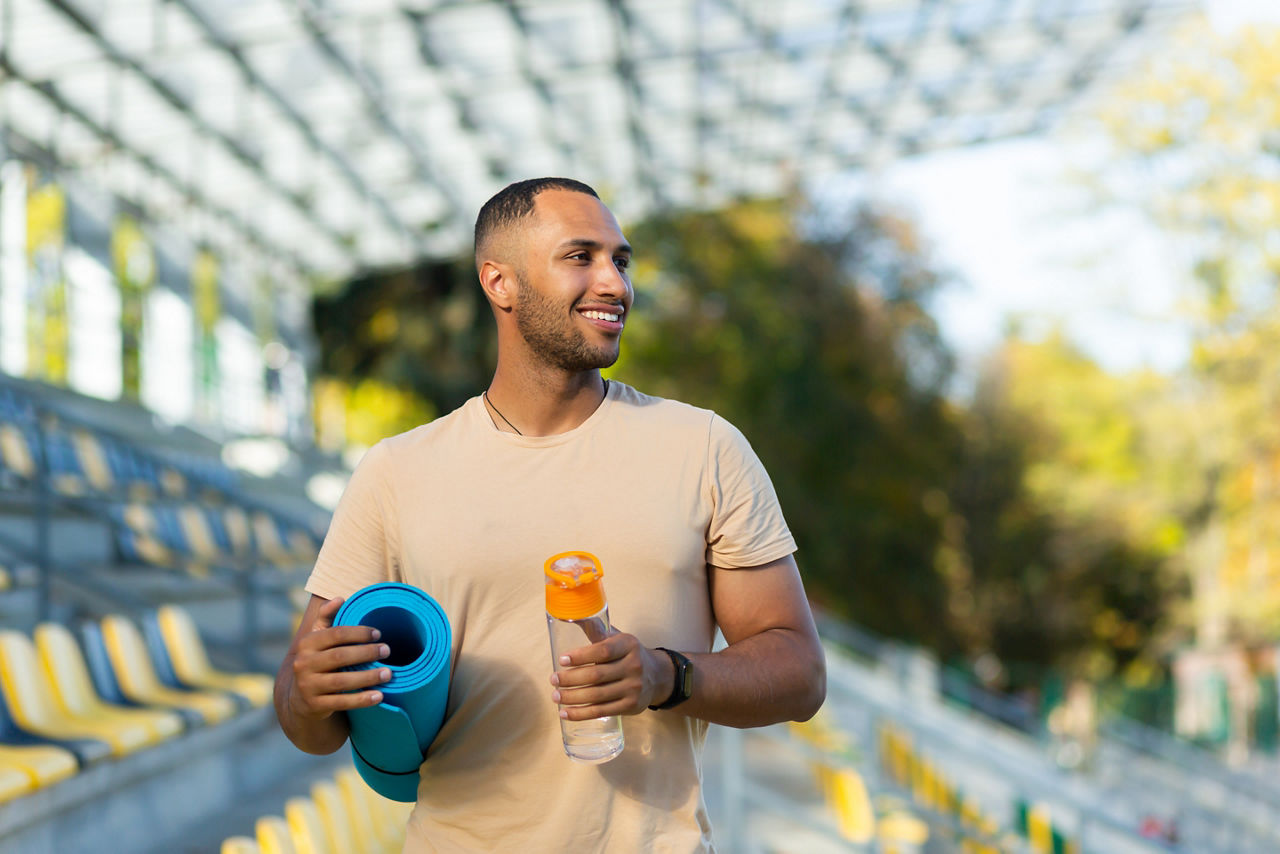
(515, 201)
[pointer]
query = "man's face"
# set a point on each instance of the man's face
(574, 291)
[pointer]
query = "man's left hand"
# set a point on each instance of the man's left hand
(616, 676)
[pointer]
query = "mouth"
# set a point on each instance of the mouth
(609, 319)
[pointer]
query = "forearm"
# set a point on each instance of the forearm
(774, 676)
(309, 734)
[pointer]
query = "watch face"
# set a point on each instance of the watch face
(686, 683)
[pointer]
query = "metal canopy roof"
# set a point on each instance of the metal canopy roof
(336, 135)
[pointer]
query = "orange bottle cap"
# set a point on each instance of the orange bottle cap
(575, 587)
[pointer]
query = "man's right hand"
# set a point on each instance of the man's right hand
(319, 685)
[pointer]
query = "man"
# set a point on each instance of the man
(552, 458)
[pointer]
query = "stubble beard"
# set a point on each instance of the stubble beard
(551, 336)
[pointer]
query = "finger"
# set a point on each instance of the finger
(603, 710)
(347, 681)
(345, 702)
(324, 617)
(594, 695)
(591, 674)
(329, 638)
(336, 658)
(610, 649)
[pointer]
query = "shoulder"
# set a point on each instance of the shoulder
(660, 413)
(650, 410)
(413, 443)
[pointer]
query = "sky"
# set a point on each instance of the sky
(996, 217)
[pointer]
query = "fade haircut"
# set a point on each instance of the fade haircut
(515, 202)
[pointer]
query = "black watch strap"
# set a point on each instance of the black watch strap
(683, 687)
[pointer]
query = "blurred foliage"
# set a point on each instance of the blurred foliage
(1194, 142)
(363, 412)
(1077, 507)
(426, 331)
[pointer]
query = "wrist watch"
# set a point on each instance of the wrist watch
(683, 688)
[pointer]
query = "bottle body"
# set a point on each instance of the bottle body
(598, 739)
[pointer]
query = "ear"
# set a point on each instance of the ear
(499, 284)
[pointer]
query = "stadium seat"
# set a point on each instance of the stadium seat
(239, 534)
(93, 461)
(85, 751)
(45, 764)
(186, 652)
(136, 675)
(306, 828)
(274, 836)
(17, 449)
(32, 702)
(197, 533)
(240, 845)
(334, 816)
(63, 661)
(364, 825)
(14, 782)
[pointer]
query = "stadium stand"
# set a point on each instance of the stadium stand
(33, 703)
(136, 673)
(65, 665)
(173, 637)
(341, 815)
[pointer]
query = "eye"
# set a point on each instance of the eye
(622, 262)
(580, 256)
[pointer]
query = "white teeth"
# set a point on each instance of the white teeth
(600, 315)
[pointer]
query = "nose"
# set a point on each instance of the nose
(611, 282)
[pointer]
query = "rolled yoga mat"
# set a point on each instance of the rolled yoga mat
(390, 740)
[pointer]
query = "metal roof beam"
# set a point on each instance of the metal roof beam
(372, 93)
(49, 91)
(466, 118)
(623, 24)
(166, 92)
(539, 82)
(236, 54)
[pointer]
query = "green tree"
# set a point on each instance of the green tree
(821, 351)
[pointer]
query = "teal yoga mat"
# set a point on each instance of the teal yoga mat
(390, 740)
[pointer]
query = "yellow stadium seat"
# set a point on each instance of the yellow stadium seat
(355, 797)
(93, 459)
(274, 836)
(138, 680)
(30, 695)
(191, 662)
(195, 527)
(237, 523)
(270, 543)
(306, 828)
(46, 764)
(14, 782)
(240, 845)
(64, 663)
(902, 828)
(334, 816)
(15, 451)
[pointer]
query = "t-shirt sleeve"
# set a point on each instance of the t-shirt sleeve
(747, 527)
(360, 547)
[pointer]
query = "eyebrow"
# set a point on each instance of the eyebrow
(586, 243)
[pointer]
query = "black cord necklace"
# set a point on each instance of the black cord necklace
(485, 395)
(500, 415)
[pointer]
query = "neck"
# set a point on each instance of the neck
(538, 405)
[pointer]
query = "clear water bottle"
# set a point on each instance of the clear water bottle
(577, 615)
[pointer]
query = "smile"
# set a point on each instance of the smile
(602, 315)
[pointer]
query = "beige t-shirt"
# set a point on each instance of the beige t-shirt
(657, 490)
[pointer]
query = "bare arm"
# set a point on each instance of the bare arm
(772, 670)
(313, 692)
